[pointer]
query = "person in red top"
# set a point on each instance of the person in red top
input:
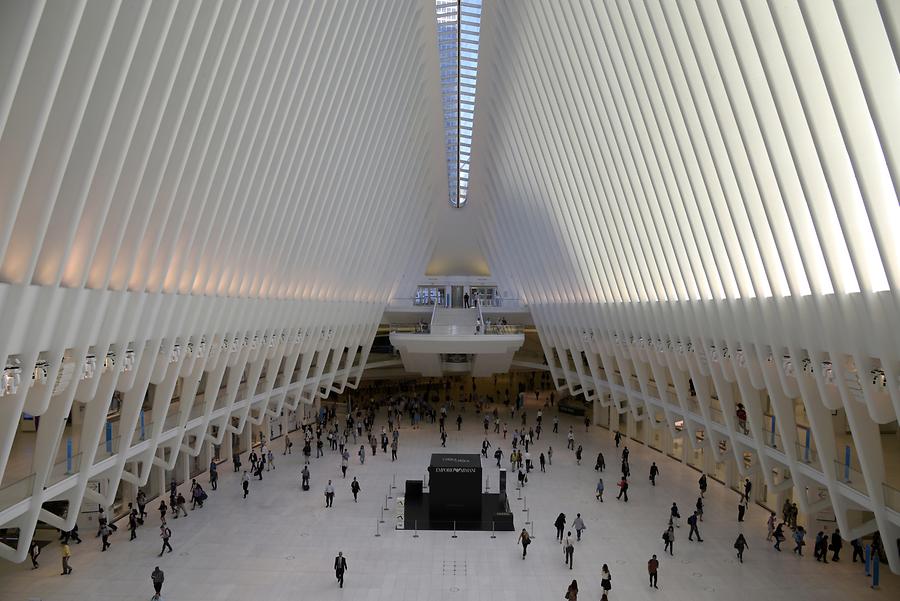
(623, 489)
(652, 567)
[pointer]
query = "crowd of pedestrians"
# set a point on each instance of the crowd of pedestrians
(374, 427)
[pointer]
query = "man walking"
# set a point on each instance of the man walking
(245, 483)
(652, 569)
(568, 550)
(354, 488)
(340, 566)
(329, 494)
(654, 472)
(692, 522)
(579, 526)
(165, 534)
(157, 577)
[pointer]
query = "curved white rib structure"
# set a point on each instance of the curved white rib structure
(707, 191)
(228, 189)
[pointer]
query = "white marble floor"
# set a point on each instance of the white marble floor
(280, 543)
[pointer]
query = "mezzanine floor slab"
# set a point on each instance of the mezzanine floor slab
(279, 544)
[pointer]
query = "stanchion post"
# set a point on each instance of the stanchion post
(416, 533)
(454, 529)
(518, 493)
(389, 494)
(525, 503)
(489, 483)
(381, 520)
(493, 535)
(377, 533)
(528, 518)
(385, 503)
(394, 481)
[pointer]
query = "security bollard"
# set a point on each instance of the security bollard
(492, 530)
(454, 529)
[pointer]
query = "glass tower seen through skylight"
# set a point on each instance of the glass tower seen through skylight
(458, 24)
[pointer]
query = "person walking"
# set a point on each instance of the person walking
(568, 550)
(132, 524)
(157, 577)
(556, 424)
(653, 570)
(740, 544)
(560, 524)
(66, 558)
(549, 455)
(600, 489)
(270, 459)
(605, 579)
(654, 472)
(779, 536)
(354, 488)
(304, 478)
(702, 483)
(623, 489)
(748, 486)
(799, 533)
(340, 566)
(572, 592)
(669, 538)
(141, 500)
(105, 531)
(857, 550)
(394, 449)
(179, 505)
(618, 438)
(699, 508)
(329, 494)
(770, 526)
(245, 483)
(571, 439)
(600, 465)
(674, 515)
(34, 551)
(692, 522)
(287, 445)
(165, 534)
(820, 551)
(525, 539)
(742, 508)
(579, 526)
(213, 476)
(578, 452)
(543, 461)
(362, 454)
(163, 509)
(836, 544)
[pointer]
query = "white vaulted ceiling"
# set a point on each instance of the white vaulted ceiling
(698, 201)
(238, 149)
(198, 191)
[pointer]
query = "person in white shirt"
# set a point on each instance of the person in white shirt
(329, 494)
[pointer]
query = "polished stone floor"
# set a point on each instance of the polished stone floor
(280, 543)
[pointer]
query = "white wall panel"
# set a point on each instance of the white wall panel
(195, 186)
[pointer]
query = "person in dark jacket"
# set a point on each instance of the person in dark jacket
(340, 566)
(157, 577)
(836, 544)
(740, 544)
(560, 524)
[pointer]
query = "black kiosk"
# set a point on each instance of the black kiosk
(454, 498)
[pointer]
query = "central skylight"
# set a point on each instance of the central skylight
(458, 23)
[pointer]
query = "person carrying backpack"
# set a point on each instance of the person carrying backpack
(165, 534)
